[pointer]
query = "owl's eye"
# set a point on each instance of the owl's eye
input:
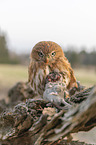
(40, 54)
(53, 53)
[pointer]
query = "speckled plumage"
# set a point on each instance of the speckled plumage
(46, 57)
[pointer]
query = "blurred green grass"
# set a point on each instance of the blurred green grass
(11, 74)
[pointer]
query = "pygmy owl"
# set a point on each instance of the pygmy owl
(46, 57)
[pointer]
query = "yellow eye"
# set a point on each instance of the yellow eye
(53, 53)
(40, 54)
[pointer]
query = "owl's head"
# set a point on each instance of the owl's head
(46, 52)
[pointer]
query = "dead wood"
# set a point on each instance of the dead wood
(35, 122)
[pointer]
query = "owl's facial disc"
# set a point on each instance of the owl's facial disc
(49, 57)
(46, 58)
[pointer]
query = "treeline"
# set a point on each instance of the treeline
(5, 55)
(81, 58)
(75, 58)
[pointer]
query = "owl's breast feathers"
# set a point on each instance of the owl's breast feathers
(37, 77)
(38, 73)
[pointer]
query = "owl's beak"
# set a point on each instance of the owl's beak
(46, 60)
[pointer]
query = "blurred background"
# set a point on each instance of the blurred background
(23, 23)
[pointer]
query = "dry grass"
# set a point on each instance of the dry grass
(9, 75)
(86, 76)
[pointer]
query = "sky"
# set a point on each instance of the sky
(66, 22)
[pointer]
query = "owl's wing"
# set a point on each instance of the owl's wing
(30, 71)
(72, 82)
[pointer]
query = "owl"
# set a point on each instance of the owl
(47, 57)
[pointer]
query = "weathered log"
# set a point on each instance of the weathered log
(42, 122)
(20, 92)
